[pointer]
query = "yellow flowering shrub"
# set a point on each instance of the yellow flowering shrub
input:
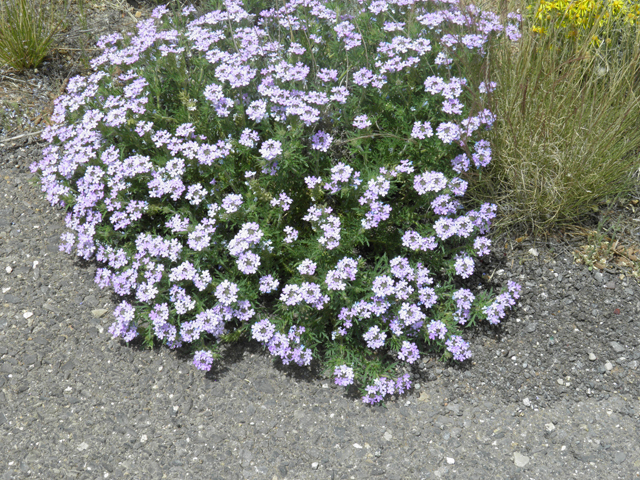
(580, 16)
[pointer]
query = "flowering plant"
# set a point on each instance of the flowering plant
(579, 17)
(292, 175)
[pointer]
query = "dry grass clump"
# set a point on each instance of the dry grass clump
(567, 133)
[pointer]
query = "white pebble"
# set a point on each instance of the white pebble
(450, 461)
(527, 402)
(9, 269)
(27, 314)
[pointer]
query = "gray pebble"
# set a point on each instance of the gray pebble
(617, 347)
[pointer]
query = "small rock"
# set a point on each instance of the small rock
(143, 438)
(8, 269)
(357, 445)
(98, 312)
(520, 460)
(592, 356)
(608, 366)
(619, 457)
(27, 314)
(618, 348)
(610, 285)
(598, 276)
(560, 381)
(531, 327)
(314, 465)
(527, 402)
(387, 436)
(549, 427)
(83, 446)
(534, 252)
(450, 461)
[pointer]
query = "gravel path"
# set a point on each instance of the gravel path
(551, 394)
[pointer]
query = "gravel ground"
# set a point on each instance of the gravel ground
(552, 393)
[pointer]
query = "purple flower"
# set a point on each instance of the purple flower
(248, 262)
(124, 326)
(383, 286)
(400, 268)
(249, 138)
(442, 205)
(514, 289)
(482, 155)
(481, 246)
(473, 41)
(327, 75)
(409, 352)
(437, 329)
(361, 122)
(291, 295)
(458, 347)
(257, 110)
(177, 224)
(374, 337)
(181, 300)
(429, 182)
(484, 88)
(231, 203)
(263, 330)
(307, 267)
(427, 297)
(448, 132)
(283, 201)
(445, 227)
(292, 234)
(464, 266)
(434, 85)
(185, 271)
(203, 360)
(321, 141)
(200, 238)
(312, 181)
(421, 130)
(227, 292)
(363, 77)
(414, 241)
(268, 284)
(271, 149)
(343, 375)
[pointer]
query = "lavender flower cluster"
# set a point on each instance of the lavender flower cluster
(233, 201)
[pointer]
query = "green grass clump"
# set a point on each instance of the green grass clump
(27, 28)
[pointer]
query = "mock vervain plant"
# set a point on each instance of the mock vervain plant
(291, 175)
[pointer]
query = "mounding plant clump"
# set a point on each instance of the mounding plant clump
(291, 175)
